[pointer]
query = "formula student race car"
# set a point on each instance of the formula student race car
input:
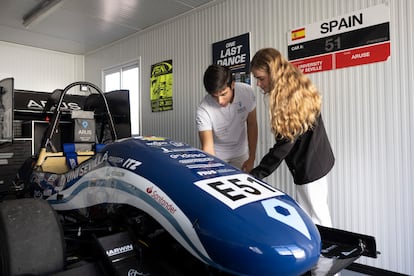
(100, 205)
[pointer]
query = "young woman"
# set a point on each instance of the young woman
(296, 122)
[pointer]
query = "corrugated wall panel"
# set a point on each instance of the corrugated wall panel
(38, 69)
(367, 109)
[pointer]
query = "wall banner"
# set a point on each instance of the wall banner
(357, 38)
(161, 89)
(235, 54)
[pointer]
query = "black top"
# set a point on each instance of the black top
(309, 157)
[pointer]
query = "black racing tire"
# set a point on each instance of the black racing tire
(31, 238)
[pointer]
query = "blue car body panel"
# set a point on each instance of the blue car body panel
(224, 217)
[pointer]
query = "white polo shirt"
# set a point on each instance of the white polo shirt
(228, 123)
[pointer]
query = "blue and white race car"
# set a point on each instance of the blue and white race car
(153, 206)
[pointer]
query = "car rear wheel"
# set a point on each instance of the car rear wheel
(31, 238)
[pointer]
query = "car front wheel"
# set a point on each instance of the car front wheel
(31, 238)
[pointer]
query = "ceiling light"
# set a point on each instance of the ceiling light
(40, 12)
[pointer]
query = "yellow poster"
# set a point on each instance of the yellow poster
(161, 88)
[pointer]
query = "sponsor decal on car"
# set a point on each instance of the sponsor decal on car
(161, 199)
(152, 138)
(85, 168)
(131, 164)
(187, 155)
(157, 143)
(115, 160)
(119, 250)
(205, 165)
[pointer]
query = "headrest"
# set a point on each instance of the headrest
(82, 114)
(84, 126)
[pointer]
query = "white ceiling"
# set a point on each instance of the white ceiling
(81, 26)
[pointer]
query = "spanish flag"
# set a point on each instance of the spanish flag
(298, 34)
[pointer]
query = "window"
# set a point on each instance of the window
(126, 77)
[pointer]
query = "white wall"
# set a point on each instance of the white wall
(367, 109)
(37, 69)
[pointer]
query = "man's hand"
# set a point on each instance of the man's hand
(247, 165)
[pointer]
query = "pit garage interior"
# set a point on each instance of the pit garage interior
(367, 108)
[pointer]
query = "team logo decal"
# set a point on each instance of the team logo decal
(285, 213)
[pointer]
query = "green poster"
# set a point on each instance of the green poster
(161, 88)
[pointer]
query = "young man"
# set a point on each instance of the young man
(226, 119)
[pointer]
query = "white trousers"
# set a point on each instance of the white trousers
(313, 198)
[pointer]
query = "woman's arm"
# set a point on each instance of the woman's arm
(272, 159)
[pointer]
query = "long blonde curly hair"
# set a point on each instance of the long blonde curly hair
(294, 102)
